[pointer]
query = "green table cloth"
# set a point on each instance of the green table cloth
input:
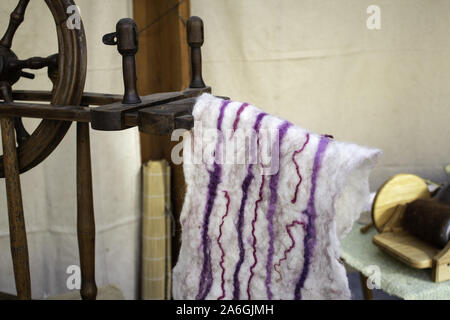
(396, 278)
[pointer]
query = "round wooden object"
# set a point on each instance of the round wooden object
(399, 189)
(67, 90)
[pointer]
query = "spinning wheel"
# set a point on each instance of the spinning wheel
(158, 113)
(67, 70)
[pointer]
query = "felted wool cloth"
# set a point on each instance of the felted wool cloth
(263, 219)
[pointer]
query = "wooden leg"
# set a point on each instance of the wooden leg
(367, 293)
(17, 232)
(85, 214)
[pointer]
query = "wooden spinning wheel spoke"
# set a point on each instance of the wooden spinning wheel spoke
(16, 19)
(16, 66)
(12, 67)
(35, 63)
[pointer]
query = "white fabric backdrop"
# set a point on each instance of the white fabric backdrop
(49, 190)
(316, 63)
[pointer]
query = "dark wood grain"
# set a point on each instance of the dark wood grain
(128, 45)
(161, 119)
(195, 38)
(112, 117)
(18, 236)
(163, 65)
(367, 293)
(88, 99)
(46, 111)
(85, 214)
(17, 232)
(428, 220)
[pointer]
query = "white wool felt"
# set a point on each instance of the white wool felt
(243, 235)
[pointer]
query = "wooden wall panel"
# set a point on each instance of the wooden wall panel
(163, 65)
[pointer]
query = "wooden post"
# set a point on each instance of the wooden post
(85, 214)
(367, 293)
(163, 65)
(17, 232)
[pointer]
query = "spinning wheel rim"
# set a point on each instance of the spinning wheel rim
(397, 190)
(68, 89)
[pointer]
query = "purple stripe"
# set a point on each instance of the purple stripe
(273, 185)
(222, 258)
(238, 117)
(240, 223)
(215, 176)
(255, 218)
(288, 250)
(310, 238)
(297, 168)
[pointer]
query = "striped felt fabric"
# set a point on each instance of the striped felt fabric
(267, 204)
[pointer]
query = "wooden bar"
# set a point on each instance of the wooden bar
(155, 115)
(367, 293)
(99, 99)
(184, 122)
(112, 117)
(85, 214)
(131, 119)
(45, 111)
(89, 98)
(161, 119)
(17, 232)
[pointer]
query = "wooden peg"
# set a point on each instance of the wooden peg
(195, 40)
(126, 39)
(17, 231)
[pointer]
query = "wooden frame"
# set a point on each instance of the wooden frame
(158, 113)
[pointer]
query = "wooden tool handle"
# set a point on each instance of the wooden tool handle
(428, 220)
(17, 231)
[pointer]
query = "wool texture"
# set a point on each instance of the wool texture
(267, 204)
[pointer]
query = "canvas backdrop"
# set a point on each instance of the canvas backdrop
(317, 64)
